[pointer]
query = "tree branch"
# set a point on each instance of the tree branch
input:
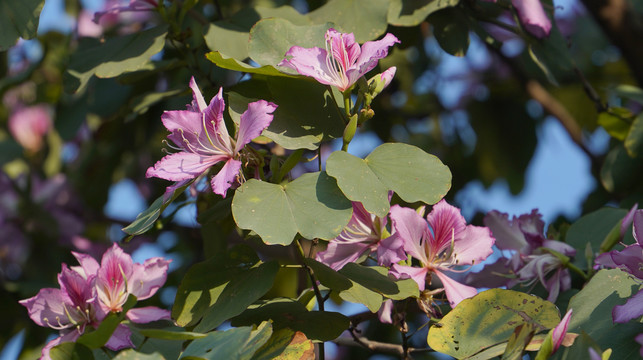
(624, 27)
(376, 346)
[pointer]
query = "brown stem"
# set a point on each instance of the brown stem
(377, 346)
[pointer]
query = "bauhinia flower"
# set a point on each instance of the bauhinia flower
(89, 292)
(531, 259)
(343, 61)
(630, 259)
(202, 140)
(364, 234)
(441, 244)
(533, 17)
(29, 125)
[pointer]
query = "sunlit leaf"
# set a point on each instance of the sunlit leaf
(413, 174)
(413, 12)
(364, 18)
(234, 344)
(489, 318)
(224, 62)
(311, 205)
(131, 354)
(614, 122)
(286, 344)
(634, 140)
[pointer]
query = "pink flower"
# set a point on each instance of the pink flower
(364, 233)
(201, 136)
(90, 291)
(342, 62)
(449, 242)
(114, 7)
(29, 125)
(533, 17)
(559, 332)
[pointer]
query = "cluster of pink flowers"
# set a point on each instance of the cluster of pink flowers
(89, 292)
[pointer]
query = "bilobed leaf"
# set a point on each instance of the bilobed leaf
(593, 313)
(18, 19)
(270, 39)
(413, 12)
(451, 30)
(71, 351)
(634, 140)
(145, 220)
(489, 318)
(203, 284)
(291, 314)
(224, 62)
(234, 344)
(114, 57)
(311, 205)
(242, 290)
(364, 18)
(412, 173)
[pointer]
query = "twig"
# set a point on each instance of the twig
(377, 346)
(318, 295)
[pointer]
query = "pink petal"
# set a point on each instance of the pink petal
(558, 335)
(632, 309)
(197, 96)
(385, 313)
(120, 338)
(28, 125)
(507, 233)
(372, 52)
(412, 229)
(47, 304)
(390, 250)
(214, 113)
(560, 247)
(627, 220)
(70, 336)
(455, 291)
(533, 17)
(311, 62)
(637, 229)
(88, 265)
(344, 48)
(115, 271)
(387, 76)
(338, 253)
(448, 225)
(75, 286)
(182, 166)
(253, 122)
(148, 314)
(222, 181)
(630, 259)
(184, 125)
(408, 272)
(473, 246)
(147, 278)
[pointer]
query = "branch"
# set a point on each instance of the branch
(624, 27)
(376, 346)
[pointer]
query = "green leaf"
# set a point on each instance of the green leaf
(593, 313)
(71, 351)
(518, 342)
(114, 57)
(367, 19)
(451, 30)
(270, 39)
(131, 354)
(630, 92)
(234, 344)
(634, 140)
(171, 334)
(18, 19)
(99, 337)
(413, 12)
(286, 344)
(242, 290)
(203, 284)
(613, 121)
(224, 62)
(141, 103)
(295, 124)
(145, 220)
(620, 172)
(311, 205)
(489, 318)
(289, 313)
(592, 229)
(552, 56)
(231, 36)
(413, 174)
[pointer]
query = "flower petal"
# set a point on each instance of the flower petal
(637, 228)
(47, 305)
(447, 224)
(148, 314)
(412, 229)
(120, 338)
(632, 309)
(558, 335)
(372, 52)
(70, 336)
(385, 313)
(310, 62)
(77, 288)
(473, 246)
(183, 166)
(148, 277)
(111, 284)
(253, 122)
(390, 250)
(339, 253)
(227, 176)
(455, 291)
(408, 272)
(88, 265)
(533, 17)
(507, 233)
(197, 96)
